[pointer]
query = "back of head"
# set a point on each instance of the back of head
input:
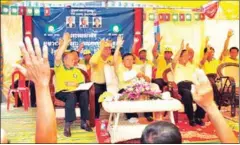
(161, 133)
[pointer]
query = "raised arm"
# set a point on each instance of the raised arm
(62, 47)
(176, 57)
(203, 60)
(38, 70)
(96, 56)
(226, 43)
(116, 55)
(158, 39)
(80, 47)
(206, 41)
(203, 96)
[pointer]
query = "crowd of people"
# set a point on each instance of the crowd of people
(68, 77)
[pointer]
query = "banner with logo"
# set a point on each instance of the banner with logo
(87, 25)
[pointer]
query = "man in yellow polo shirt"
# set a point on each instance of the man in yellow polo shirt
(67, 78)
(97, 62)
(161, 62)
(209, 64)
(231, 54)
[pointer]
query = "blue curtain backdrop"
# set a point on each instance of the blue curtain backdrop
(113, 21)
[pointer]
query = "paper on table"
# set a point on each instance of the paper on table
(81, 87)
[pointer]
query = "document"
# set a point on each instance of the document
(81, 87)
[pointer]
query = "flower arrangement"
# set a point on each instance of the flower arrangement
(140, 90)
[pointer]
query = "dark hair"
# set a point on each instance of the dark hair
(205, 49)
(74, 51)
(161, 133)
(127, 54)
(232, 48)
(182, 52)
(96, 19)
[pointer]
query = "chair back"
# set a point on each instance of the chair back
(168, 75)
(229, 70)
(111, 79)
(21, 79)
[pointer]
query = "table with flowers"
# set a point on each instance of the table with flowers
(120, 130)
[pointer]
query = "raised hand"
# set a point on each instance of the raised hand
(80, 47)
(230, 33)
(60, 42)
(202, 90)
(182, 44)
(37, 65)
(120, 41)
(102, 44)
(66, 38)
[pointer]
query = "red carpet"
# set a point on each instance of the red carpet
(197, 134)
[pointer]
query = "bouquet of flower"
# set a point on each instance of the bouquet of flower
(139, 90)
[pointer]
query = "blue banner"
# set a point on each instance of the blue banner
(87, 25)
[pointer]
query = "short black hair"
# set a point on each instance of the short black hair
(205, 49)
(232, 48)
(74, 51)
(127, 54)
(161, 132)
(96, 19)
(181, 54)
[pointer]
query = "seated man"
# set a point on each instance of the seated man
(181, 67)
(67, 79)
(123, 69)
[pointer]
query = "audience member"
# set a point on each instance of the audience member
(38, 70)
(161, 132)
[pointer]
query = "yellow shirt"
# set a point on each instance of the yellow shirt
(228, 59)
(210, 67)
(122, 83)
(138, 61)
(97, 67)
(184, 73)
(161, 65)
(63, 75)
(82, 61)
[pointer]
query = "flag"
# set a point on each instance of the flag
(21, 10)
(14, 10)
(188, 17)
(182, 17)
(197, 16)
(161, 17)
(29, 11)
(167, 17)
(36, 11)
(151, 17)
(5, 9)
(202, 16)
(47, 12)
(175, 17)
(156, 29)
